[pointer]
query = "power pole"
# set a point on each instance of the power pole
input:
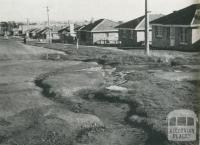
(27, 25)
(48, 23)
(146, 27)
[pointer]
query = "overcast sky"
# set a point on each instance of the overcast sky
(64, 10)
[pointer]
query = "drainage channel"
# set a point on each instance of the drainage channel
(153, 137)
(98, 98)
(124, 133)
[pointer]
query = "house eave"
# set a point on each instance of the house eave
(126, 28)
(98, 31)
(174, 25)
(104, 31)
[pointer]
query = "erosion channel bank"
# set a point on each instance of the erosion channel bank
(148, 88)
(92, 89)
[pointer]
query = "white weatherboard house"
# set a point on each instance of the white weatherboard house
(102, 31)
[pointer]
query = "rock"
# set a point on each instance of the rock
(137, 119)
(117, 88)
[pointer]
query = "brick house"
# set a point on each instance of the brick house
(132, 33)
(177, 30)
(102, 31)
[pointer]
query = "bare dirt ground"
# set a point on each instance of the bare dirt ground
(93, 96)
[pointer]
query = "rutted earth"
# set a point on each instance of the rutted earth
(62, 102)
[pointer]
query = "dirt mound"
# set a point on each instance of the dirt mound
(49, 125)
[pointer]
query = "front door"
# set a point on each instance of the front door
(172, 36)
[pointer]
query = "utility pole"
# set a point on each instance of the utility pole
(147, 27)
(48, 23)
(27, 25)
(77, 43)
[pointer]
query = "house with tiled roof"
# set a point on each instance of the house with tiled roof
(132, 33)
(44, 33)
(102, 31)
(177, 30)
(68, 33)
(33, 33)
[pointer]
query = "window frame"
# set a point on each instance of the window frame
(123, 33)
(168, 32)
(132, 34)
(158, 31)
(183, 35)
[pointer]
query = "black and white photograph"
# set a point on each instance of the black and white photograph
(99, 72)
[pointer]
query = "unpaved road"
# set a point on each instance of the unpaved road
(122, 100)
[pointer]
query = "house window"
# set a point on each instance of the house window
(183, 34)
(132, 35)
(124, 33)
(158, 31)
(107, 35)
(168, 32)
(129, 34)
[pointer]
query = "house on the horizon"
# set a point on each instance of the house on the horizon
(7, 28)
(179, 29)
(33, 33)
(132, 33)
(102, 31)
(43, 34)
(68, 33)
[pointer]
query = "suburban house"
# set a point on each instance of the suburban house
(33, 33)
(41, 34)
(3, 28)
(102, 31)
(178, 30)
(44, 33)
(132, 33)
(69, 33)
(6, 28)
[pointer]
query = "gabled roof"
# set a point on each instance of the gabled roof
(30, 30)
(55, 28)
(44, 30)
(180, 17)
(78, 28)
(131, 24)
(91, 26)
(36, 30)
(100, 25)
(139, 22)
(64, 29)
(67, 28)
